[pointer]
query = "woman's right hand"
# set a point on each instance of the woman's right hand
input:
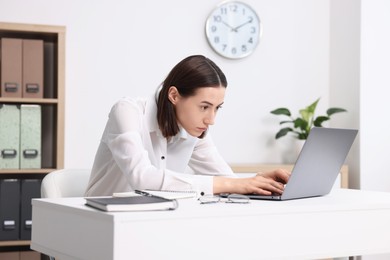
(262, 183)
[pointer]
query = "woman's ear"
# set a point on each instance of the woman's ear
(173, 94)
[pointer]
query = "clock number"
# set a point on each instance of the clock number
(243, 48)
(233, 8)
(234, 51)
(253, 29)
(213, 28)
(216, 39)
(250, 40)
(223, 10)
(224, 47)
(217, 18)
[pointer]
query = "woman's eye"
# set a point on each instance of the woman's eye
(204, 107)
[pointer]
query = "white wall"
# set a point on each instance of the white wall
(360, 62)
(359, 65)
(344, 73)
(375, 82)
(117, 48)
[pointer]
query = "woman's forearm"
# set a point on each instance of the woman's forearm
(223, 184)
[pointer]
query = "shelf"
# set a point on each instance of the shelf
(26, 171)
(29, 100)
(52, 105)
(33, 28)
(15, 243)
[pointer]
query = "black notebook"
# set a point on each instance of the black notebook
(135, 203)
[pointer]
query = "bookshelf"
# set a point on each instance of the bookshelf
(52, 104)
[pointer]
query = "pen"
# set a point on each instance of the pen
(144, 193)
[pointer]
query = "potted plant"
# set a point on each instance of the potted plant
(301, 126)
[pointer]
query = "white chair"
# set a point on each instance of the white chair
(65, 183)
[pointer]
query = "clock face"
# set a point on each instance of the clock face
(233, 29)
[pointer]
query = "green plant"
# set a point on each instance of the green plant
(302, 125)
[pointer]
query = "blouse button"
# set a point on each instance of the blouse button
(162, 157)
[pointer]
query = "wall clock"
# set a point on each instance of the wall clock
(233, 29)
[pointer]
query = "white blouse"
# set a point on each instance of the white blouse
(133, 154)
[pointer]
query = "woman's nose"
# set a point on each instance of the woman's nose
(210, 119)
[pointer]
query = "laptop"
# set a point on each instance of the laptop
(318, 164)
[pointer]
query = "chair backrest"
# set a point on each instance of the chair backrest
(65, 183)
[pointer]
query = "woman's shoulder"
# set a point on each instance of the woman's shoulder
(135, 101)
(130, 103)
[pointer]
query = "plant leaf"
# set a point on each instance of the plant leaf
(282, 132)
(281, 111)
(300, 123)
(334, 110)
(302, 136)
(319, 120)
(313, 106)
(308, 112)
(285, 122)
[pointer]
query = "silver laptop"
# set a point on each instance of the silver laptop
(318, 164)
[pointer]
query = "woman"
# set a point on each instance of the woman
(162, 143)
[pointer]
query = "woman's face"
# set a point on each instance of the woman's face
(196, 113)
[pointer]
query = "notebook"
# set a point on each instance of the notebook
(318, 164)
(134, 203)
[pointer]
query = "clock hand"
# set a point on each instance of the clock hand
(241, 25)
(228, 25)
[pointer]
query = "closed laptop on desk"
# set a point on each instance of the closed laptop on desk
(318, 164)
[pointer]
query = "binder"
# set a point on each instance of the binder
(32, 69)
(30, 255)
(30, 136)
(9, 209)
(9, 136)
(11, 67)
(9, 255)
(30, 189)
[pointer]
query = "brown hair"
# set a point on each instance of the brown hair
(187, 76)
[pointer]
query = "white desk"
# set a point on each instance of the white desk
(343, 223)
